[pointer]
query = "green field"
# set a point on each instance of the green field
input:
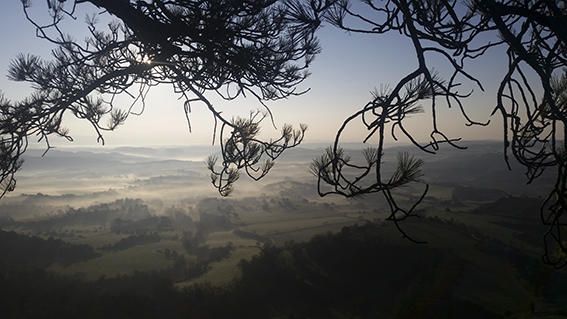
(139, 258)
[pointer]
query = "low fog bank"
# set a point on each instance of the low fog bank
(164, 177)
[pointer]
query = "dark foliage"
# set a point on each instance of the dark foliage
(356, 273)
(132, 241)
(98, 214)
(228, 49)
(141, 226)
(29, 252)
(263, 49)
(460, 33)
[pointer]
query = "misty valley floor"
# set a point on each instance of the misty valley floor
(141, 234)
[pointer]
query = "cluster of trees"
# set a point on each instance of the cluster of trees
(331, 276)
(134, 240)
(29, 252)
(98, 214)
(263, 49)
(141, 226)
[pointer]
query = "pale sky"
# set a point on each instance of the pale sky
(349, 67)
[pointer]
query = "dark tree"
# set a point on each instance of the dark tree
(533, 108)
(262, 48)
(200, 48)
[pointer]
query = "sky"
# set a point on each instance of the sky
(342, 76)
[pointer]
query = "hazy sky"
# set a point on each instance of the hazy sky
(349, 67)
